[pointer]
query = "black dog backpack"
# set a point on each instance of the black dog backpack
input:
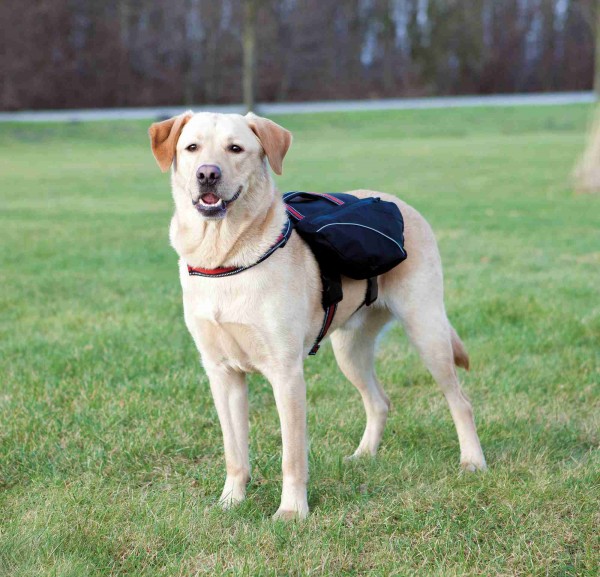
(360, 238)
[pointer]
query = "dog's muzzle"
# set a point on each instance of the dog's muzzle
(212, 205)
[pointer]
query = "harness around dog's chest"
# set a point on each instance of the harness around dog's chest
(229, 271)
(358, 238)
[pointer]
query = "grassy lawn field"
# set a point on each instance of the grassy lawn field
(110, 449)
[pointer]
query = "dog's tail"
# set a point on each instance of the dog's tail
(461, 357)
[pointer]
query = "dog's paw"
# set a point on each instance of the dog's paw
(287, 515)
(361, 453)
(355, 457)
(473, 465)
(234, 492)
(228, 502)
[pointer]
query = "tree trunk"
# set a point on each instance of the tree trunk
(587, 171)
(192, 50)
(389, 48)
(597, 51)
(249, 48)
(123, 73)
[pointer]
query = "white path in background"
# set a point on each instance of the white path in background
(546, 99)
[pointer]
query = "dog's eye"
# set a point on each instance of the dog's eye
(235, 148)
(192, 147)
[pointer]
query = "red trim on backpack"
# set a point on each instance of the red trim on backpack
(294, 212)
(330, 197)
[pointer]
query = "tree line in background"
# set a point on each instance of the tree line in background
(102, 53)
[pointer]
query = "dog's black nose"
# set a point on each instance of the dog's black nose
(208, 174)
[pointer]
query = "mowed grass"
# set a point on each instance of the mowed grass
(111, 455)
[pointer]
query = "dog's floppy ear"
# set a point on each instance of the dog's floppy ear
(275, 139)
(164, 136)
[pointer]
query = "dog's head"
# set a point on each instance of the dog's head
(218, 159)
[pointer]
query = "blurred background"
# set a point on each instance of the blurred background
(115, 53)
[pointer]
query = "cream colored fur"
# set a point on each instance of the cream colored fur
(266, 319)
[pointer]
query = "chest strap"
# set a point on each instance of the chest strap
(329, 314)
(230, 271)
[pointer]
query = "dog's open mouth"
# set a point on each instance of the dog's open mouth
(210, 199)
(212, 206)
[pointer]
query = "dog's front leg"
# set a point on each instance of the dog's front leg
(290, 396)
(230, 393)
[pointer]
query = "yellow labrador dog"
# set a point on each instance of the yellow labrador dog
(228, 214)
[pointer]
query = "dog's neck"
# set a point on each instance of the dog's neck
(251, 226)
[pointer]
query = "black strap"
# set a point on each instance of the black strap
(229, 271)
(329, 314)
(332, 287)
(372, 291)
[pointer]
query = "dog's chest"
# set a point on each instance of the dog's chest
(224, 317)
(218, 300)
(213, 306)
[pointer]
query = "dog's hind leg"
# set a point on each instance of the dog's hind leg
(424, 319)
(354, 349)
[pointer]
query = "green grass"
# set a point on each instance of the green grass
(111, 456)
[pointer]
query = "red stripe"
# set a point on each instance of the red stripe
(330, 315)
(294, 212)
(330, 197)
(211, 270)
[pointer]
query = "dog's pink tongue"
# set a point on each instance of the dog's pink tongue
(210, 198)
